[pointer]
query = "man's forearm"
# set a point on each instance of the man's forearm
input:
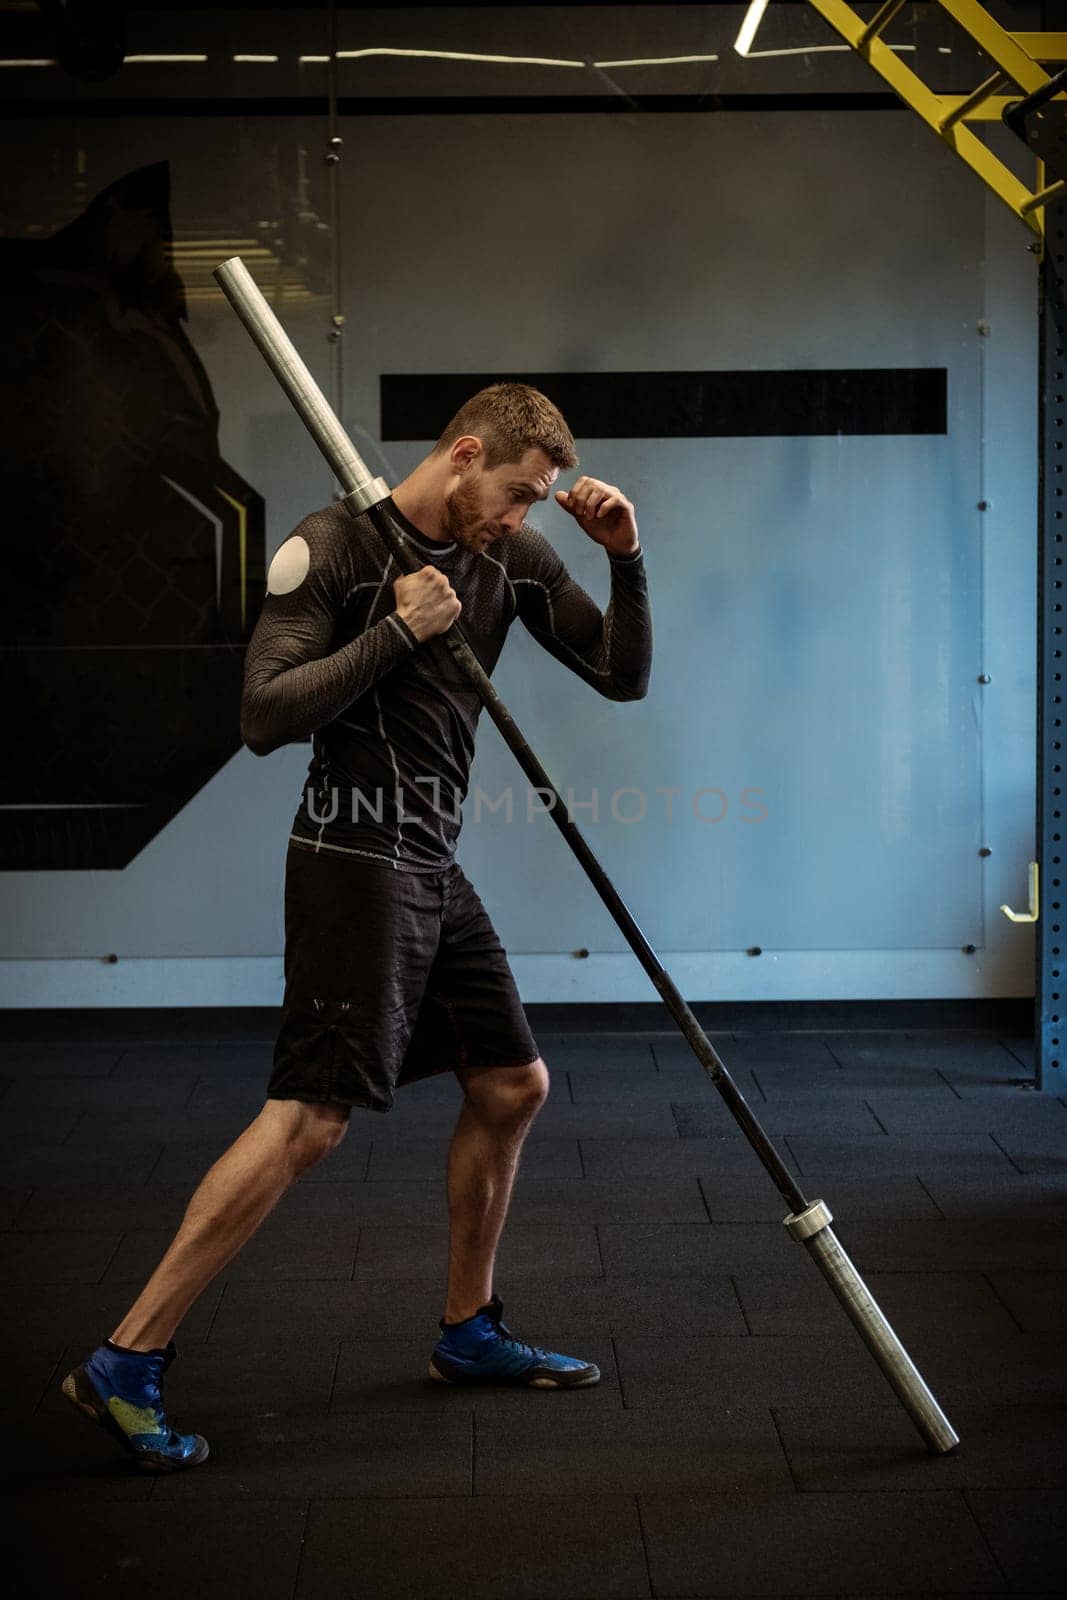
(628, 627)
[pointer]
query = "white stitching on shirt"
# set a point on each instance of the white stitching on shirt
(598, 672)
(381, 586)
(392, 617)
(507, 580)
(396, 771)
(345, 850)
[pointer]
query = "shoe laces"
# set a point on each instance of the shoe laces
(505, 1335)
(155, 1366)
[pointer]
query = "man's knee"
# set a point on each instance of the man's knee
(507, 1094)
(312, 1128)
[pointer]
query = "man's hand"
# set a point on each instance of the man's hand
(427, 602)
(603, 512)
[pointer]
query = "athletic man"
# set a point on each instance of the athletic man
(393, 970)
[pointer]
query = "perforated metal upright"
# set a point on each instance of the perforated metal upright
(1050, 1001)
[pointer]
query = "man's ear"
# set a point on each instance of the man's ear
(465, 451)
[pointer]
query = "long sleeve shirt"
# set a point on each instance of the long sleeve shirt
(393, 722)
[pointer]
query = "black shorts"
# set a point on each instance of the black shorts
(389, 977)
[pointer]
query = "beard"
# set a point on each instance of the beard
(463, 518)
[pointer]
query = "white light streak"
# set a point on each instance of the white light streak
(752, 19)
(654, 61)
(456, 55)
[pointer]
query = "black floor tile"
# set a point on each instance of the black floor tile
(604, 1084)
(816, 1544)
(969, 1154)
(1021, 1369)
(12, 1204)
(1007, 1196)
(230, 1091)
(442, 1089)
(368, 1204)
(405, 1308)
(528, 1547)
(336, 1309)
(755, 1199)
(1011, 1080)
(578, 1201)
(564, 1053)
(214, 1551)
(789, 1051)
(967, 1056)
(831, 1082)
(1027, 1531)
(248, 1377)
(33, 1125)
(1035, 1150)
(1014, 1113)
(405, 1159)
(282, 1249)
(25, 1378)
(58, 1060)
(726, 1447)
(187, 1160)
(56, 1257)
(558, 1119)
(104, 1206)
(375, 1374)
(955, 1243)
(538, 1201)
(1021, 1046)
(645, 1157)
(371, 1454)
(84, 1314)
(126, 1094)
(652, 1307)
(800, 1114)
(195, 1058)
(407, 1252)
(879, 1447)
(131, 1128)
(773, 1371)
(669, 1250)
(776, 1303)
(60, 1459)
(1037, 1300)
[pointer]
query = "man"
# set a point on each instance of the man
(393, 970)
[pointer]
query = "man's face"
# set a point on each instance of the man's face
(484, 506)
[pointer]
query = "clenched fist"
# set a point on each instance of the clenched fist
(426, 601)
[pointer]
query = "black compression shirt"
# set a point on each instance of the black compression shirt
(392, 722)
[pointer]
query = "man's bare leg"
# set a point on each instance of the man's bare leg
(500, 1105)
(233, 1199)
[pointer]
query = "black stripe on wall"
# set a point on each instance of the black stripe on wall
(689, 405)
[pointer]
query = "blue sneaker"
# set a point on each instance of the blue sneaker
(482, 1350)
(120, 1389)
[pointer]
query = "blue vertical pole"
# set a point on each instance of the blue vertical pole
(1050, 1003)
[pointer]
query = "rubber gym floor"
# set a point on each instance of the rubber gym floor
(742, 1440)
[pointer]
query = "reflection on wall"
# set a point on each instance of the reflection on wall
(134, 555)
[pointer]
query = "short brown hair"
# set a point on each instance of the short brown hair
(509, 419)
